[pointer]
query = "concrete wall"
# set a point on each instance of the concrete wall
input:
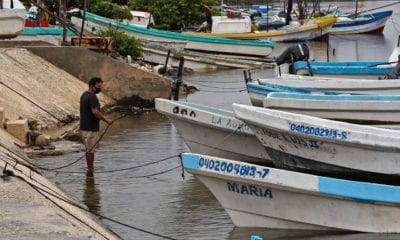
(122, 82)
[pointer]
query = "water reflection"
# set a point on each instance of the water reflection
(91, 195)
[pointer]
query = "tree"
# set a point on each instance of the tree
(110, 10)
(122, 43)
(173, 14)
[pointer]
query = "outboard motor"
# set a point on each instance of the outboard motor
(299, 52)
(394, 73)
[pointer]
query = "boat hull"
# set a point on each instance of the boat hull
(198, 61)
(213, 131)
(12, 22)
(351, 146)
(258, 92)
(301, 34)
(204, 44)
(360, 86)
(289, 200)
(375, 24)
(371, 109)
(342, 68)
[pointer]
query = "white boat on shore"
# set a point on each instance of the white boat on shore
(259, 196)
(326, 147)
(196, 43)
(197, 61)
(213, 131)
(12, 18)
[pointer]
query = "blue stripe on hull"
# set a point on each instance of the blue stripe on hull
(266, 88)
(190, 161)
(345, 68)
(343, 97)
(359, 191)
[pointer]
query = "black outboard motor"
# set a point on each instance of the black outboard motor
(394, 73)
(299, 52)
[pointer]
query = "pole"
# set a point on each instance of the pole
(179, 80)
(83, 22)
(327, 48)
(166, 60)
(267, 15)
(356, 8)
(63, 16)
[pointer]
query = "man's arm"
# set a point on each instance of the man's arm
(96, 112)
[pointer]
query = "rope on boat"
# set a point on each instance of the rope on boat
(132, 167)
(223, 140)
(395, 24)
(16, 161)
(209, 151)
(237, 89)
(227, 88)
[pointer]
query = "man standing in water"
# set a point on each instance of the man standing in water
(90, 116)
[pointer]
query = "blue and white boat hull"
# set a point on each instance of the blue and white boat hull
(258, 196)
(366, 23)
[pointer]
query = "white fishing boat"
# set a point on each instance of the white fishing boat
(328, 147)
(258, 92)
(240, 28)
(259, 196)
(12, 18)
(365, 86)
(141, 19)
(361, 23)
(213, 131)
(372, 109)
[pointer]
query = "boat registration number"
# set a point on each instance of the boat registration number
(236, 168)
(317, 131)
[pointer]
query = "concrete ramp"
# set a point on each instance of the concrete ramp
(29, 84)
(44, 83)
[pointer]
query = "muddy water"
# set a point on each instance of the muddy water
(179, 208)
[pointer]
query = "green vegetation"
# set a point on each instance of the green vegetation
(168, 14)
(173, 14)
(123, 44)
(109, 10)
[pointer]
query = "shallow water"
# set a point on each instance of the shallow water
(180, 208)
